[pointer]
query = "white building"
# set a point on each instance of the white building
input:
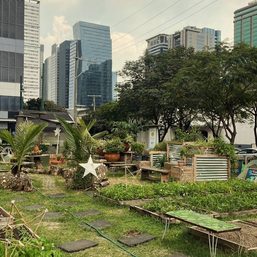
(199, 39)
(157, 44)
(51, 76)
(31, 49)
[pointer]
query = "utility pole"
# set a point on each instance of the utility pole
(75, 86)
(94, 97)
(21, 91)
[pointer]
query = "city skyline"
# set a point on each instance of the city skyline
(134, 22)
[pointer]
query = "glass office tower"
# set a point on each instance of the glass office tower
(94, 72)
(11, 53)
(245, 25)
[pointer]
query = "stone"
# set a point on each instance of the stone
(101, 224)
(87, 213)
(53, 215)
(76, 246)
(136, 239)
(35, 207)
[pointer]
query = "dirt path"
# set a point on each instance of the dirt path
(49, 185)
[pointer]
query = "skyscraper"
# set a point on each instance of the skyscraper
(51, 75)
(31, 49)
(199, 39)
(245, 25)
(19, 51)
(94, 69)
(64, 74)
(11, 53)
(158, 44)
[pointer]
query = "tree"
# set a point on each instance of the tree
(23, 141)
(217, 85)
(35, 104)
(143, 95)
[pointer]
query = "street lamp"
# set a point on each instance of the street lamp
(94, 97)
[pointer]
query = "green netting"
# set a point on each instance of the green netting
(202, 220)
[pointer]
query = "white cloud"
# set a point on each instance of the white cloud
(125, 48)
(61, 30)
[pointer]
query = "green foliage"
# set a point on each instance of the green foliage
(114, 146)
(162, 146)
(35, 104)
(32, 248)
(159, 163)
(124, 130)
(137, 147)
(174, 189)
(188, 136)
(223, 148)
(79, 141)
(24, 139)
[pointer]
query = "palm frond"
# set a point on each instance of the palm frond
(25, 138)
(7, 136)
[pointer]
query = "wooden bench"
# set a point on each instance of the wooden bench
(147, 170)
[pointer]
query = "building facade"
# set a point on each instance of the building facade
(245, 25)
(199, 39)
(114, 85)
(64, 74)
(157, 44)
(31, 49)
(94, 66)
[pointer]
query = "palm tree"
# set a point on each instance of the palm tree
(79, 140)
(23, 141)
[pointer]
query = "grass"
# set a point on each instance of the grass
(68, 228)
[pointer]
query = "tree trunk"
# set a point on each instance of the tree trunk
(255, 128)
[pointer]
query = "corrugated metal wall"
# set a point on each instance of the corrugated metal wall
(211, 168)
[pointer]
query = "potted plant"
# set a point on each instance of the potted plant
(128, 140)
(138, 149)
(112, 150)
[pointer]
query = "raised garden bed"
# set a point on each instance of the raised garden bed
(244, 239)
(122, 192)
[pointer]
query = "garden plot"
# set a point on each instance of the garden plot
(236, 197)
(244, 239)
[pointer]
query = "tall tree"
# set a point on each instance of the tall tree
(144, 92)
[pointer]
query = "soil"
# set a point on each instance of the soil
(133, 233)
(246, 237)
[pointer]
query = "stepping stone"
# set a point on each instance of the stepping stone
(76, 246)
(65, 204)
(101, 224)
(136, 239)
(87, 213)
(53, 215)
(35, 207)
(20, 199)
(55, 196)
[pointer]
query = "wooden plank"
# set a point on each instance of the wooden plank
(155, 170)
(202, 221)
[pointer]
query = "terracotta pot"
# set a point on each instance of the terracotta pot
(112, 157)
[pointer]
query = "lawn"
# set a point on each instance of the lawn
(68, 227)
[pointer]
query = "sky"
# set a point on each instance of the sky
(134, 21)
